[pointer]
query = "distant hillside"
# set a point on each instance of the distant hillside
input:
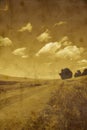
(11, 78)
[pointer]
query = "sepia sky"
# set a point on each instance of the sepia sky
(40, 37)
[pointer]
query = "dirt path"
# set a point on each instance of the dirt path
(20, 103)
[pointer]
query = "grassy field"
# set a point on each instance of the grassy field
(43, 104)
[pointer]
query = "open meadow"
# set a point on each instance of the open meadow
(43, 104)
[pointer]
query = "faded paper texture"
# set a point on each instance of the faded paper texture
(43, 64)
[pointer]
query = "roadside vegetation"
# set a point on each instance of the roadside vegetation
(66, 110)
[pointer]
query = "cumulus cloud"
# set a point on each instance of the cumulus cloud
(60, 23)
(84, 61)
(49, 48)
(28, 27)
(65, 41)
(25, 56)
(62, 49)
(5, 41)
(20, 52)
(53, 47)
(72, 52)
(44, 37)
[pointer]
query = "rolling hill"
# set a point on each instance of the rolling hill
(47, 104)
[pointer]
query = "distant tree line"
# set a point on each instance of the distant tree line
(67, 73)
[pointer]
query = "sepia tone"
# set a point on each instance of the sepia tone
(43, 65)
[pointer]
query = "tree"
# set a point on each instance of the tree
(78, 73)
(84, 72)
(66, 73)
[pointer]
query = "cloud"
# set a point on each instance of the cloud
(20, 52)
(28, 27)
(49, 48)
(82, 68)
(82, 64)
(84, 61)
(44, 37)
(62, 49)
(25, 56)
(60, 23)
(53, 47)
(5, 41)
(71, 52)
(65, 41)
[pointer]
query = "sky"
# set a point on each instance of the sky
(40, 37)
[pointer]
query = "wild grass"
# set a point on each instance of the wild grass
(66, 110)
